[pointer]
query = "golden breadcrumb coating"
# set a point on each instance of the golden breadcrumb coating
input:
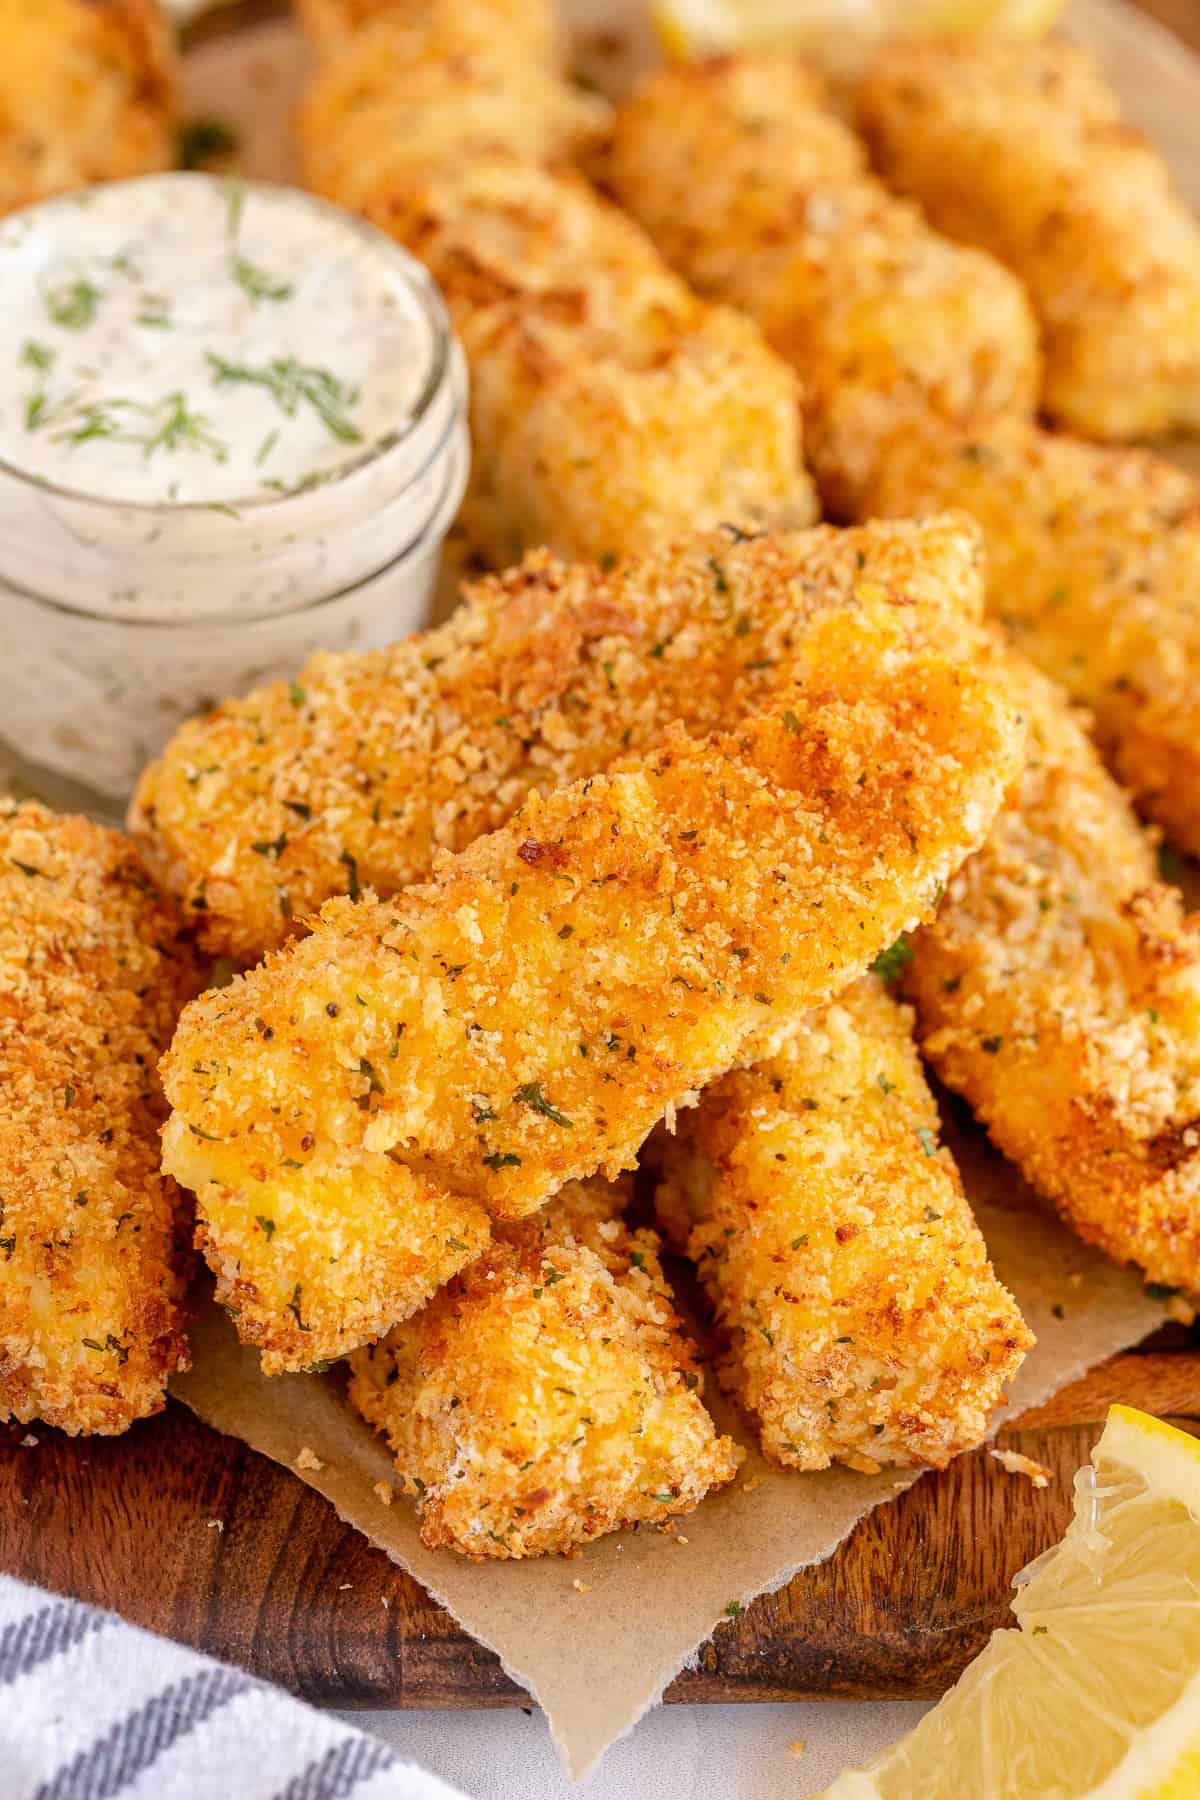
(862, 1319)
(525, 1017)
(364, 765)
(399, 100)
(87, 93)
(93, 972)
(760, 196)
(610, 408)
(524, 30)
(1094, 567)
(1059, 990)
(547, 1394)
(1019, 147)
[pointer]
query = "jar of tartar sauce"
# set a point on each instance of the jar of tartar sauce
(232, 431)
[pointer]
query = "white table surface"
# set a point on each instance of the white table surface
(675, 1753)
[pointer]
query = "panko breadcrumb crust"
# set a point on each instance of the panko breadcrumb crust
(406, 94)
(1094, 569)
(94, 969)
(527, 31)
(87, 93)
(611, 408)
(1059, 991)
(547, 1395)
(351, 1111)
(753, 189)
(1019, 147)
(863, 1322)
(355, 773)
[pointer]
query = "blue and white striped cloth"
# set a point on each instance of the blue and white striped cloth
(93, 1709)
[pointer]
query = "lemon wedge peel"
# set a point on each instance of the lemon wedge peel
(836, 34)
(1096, 1694)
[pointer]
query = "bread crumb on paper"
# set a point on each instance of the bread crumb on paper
(1016, 1464)
(383, 1493)
(215, 1524)
(581, 1587)
(798, 1746)
(308, 1459)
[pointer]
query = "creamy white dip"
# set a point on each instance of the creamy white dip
(180, 339)
(232, 431)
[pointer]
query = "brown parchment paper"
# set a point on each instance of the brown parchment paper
(595, 1661)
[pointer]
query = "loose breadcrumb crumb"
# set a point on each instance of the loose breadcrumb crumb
(308, 1459)
(1015, 1464)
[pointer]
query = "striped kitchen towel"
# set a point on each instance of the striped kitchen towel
(92, 1709)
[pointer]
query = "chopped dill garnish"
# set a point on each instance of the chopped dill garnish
(72, 302)
(531, 1095)
(293, 384)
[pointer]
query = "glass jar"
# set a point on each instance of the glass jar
(119, 619)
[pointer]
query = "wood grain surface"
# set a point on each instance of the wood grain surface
(191, 1534)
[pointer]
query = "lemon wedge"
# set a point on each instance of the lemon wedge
(1098, 1692)
(838, 34)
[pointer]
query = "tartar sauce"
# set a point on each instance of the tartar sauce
(232, 431)
(179, 339)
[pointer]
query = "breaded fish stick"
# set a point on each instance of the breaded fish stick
(1059, 991)
(93, 972)
(87, 93)
(547, 1394)
(760, 197)
(862, 1319)
(610, 408)
(1019, 147)
(527, 31)
(1094, 567)
(524, 1019)
(406, 95)
(355, 773)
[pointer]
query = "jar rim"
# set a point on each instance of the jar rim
(453, 447)
(420, 283)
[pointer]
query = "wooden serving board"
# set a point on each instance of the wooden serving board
(280, 1586)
